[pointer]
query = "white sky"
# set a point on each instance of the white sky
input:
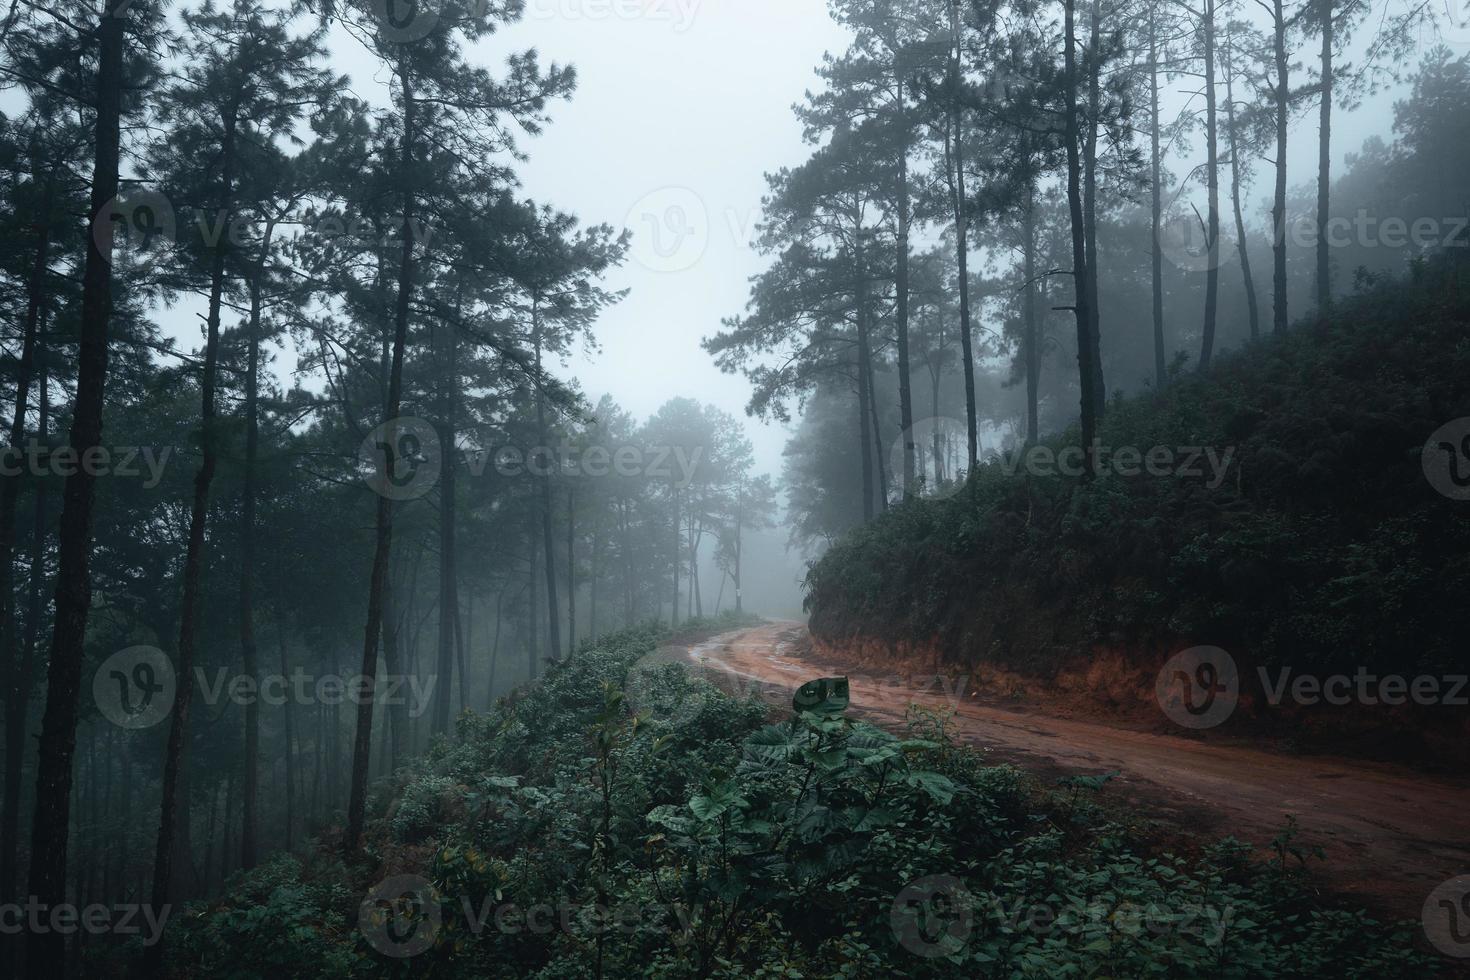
(682, 107)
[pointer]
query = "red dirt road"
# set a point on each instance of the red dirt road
(1390, 835)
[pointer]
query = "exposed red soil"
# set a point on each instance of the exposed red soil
(1390, 834)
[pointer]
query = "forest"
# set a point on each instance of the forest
(1050, 561)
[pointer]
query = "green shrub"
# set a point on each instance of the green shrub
(714, 844)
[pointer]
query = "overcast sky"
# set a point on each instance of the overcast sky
(682, 107)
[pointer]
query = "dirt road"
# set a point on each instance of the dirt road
(1390, 835)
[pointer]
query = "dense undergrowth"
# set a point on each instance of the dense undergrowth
(1322, 545)
(567, 835)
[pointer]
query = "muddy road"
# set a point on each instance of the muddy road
(1390, 835)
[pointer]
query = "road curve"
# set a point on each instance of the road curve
(1390, 835)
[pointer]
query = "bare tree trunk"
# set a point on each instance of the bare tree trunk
(1085, 373)
(629, 610)
(495, 649)
(571, 570)
(211, 834)
(287, 723)
(383, 546)
(901, 289)
(1282, 95)
(46, 952)
(533, 646)
(227, 822)
(459, 641)
(864, 372)
(739, 519)
(1089, 205)
(448, 571)
(877, 441)
(1324, 164)
(696, 600)
(318, 749)
(17, 665)
(553, 607)
(675, 493)
(593, 574)
(1032, 351)
(175, 805)
(16, 715)
(1252, 310)
(1161, 371)
(962, 245)
(125, 814)
(1212, 177)
(247, 564)
(397, 720)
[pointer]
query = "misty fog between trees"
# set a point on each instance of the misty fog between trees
(1103, 380)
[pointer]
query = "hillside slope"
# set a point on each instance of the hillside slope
(1305, 533)
(622, 819)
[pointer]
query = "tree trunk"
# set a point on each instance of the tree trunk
(383, 546)
(448, 571)
(739, 519)
(495, 650)
(629, 610)
(17, 668)
(1324, 164)
(1156, 198)
(248, 651)
(675, 492)
(17, 712)
(1032, 341)
(175, 805)
(1278, 206)
(1212, 177)
(460, 629)
(864, 368)
(571, 570)
(533, 637)
(901, 288)
(962, 245)
(877, 440)
(397, 713)
(593, 573)
(1253, 313)
(1089, 205)
(553, 607)
(695, 540)
(1085, 372)
(287, 724)
(46, 954)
